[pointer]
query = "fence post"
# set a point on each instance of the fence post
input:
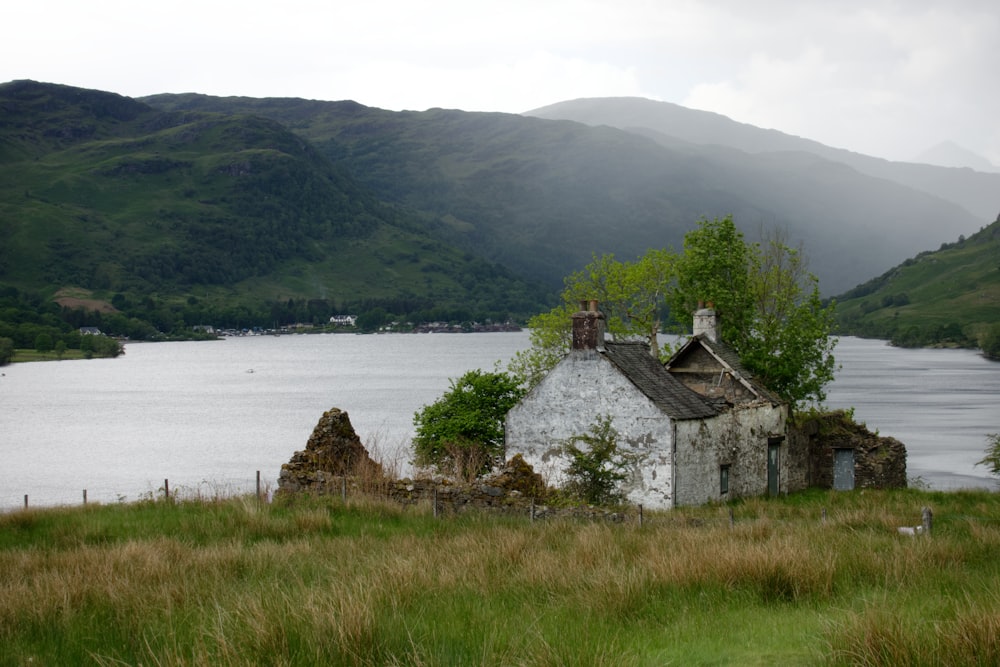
(85, 496)
(166, 489)
(26, 501)
(927, 518)
(640, 515)
(435, 502)
(824, 516)
(258, 486)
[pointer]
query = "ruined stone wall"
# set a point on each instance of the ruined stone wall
(879, 462)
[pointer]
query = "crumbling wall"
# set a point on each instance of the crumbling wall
(879, 462)
(333, 452)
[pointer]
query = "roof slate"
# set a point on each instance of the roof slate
(653, 380)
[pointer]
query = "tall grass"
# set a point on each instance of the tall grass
(232, 581)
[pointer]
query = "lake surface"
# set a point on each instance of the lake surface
(209, 415)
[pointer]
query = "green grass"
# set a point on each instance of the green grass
(233, 582)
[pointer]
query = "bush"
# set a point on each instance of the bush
(468, 417)
(989, 342)
(992, 458)
(596, 469)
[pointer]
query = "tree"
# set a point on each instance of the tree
(632, 296)
(768, 305)
(43, 342)
(715, 267)
(596, 466)
(469, 415)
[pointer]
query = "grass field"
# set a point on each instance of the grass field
(814, 578)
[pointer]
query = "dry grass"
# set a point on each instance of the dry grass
(318, 581)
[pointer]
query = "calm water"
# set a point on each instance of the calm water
(208, 415)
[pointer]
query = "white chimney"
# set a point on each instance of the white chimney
(705, 322)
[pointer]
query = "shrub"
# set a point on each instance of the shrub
(598, 467)
(992, 458)
(470, 415)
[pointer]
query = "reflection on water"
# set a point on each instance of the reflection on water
(210, 414)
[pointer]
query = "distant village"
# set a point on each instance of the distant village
(348, 323)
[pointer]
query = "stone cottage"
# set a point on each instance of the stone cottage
(697, 429)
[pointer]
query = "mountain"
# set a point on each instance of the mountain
(542, 196)
(950, 154)
(948, 296)
(182, 208)
(234, 213)
(977, 192)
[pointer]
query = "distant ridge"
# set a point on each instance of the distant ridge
(976, 191)
(950, 154)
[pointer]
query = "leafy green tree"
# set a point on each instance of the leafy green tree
(60, 348)
(768, 304)
(715, 267)
(43, 342)
(371, 320)
(596, 465)
(631, 295)
(469, 415)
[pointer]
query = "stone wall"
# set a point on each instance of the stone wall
(334, 451)
(879, 462)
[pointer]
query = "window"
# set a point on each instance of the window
(724, 479)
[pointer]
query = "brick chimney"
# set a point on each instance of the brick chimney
(705, 321)
(588, 327)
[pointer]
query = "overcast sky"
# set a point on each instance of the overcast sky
(889, 78)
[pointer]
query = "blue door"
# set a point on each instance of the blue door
(772, 469)
(843, 469)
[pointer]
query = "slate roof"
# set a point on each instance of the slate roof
(727, 356)
(653, 380)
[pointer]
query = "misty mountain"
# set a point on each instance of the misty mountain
(542, 196)
(950, 154)
(976, 191)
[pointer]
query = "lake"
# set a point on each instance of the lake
(209, 415)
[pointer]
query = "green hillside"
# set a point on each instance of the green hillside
(541, 196)
(177, 210)
(216, 218)
(947, 297)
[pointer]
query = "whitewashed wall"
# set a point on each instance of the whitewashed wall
(568, 401)
(738, 438)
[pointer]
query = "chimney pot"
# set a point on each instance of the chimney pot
(588, 327)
